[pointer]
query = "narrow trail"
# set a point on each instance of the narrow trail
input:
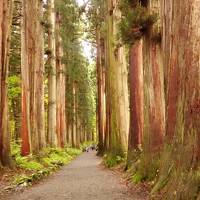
(83, 179)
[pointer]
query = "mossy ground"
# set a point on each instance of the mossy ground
(111, 160)
(34, 167)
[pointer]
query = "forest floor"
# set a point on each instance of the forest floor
(85, 178)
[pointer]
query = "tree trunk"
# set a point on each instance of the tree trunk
(117, 91)
(5, 29)
(52, 137)
(154, 103)
(40, 117)
(181, 46)
(32, 77)
(100, 92)
(136, 98)
(74, 115)
(60, 101)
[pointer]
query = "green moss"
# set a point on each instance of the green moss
(42, 164)
(25, 163)
(111, 160)
(56, 156)
(137, 177)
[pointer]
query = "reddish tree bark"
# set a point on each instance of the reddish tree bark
(32, 69)
(136, 97)
(100, 93)
(181, 44)
(60, 99)
(5, 22)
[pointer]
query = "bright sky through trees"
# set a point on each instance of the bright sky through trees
(87, 49)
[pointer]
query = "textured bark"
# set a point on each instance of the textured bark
(60, 93)
(40, 81)
(5, 21)
(136, 97)
(52, 137)
(154, 104)
(74, 115)
(100, 92)
(32, 130)
(117, 90)
(78, 132)
(181, 45)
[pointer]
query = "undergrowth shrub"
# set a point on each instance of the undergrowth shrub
(112, 160)
(38, 166)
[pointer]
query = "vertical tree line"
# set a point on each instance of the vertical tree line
(147, 77)
(54, 88)
(148, 39)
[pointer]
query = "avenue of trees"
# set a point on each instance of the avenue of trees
(153, 119)
(141, 100)
(47, 84)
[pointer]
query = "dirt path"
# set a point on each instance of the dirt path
(83, 179)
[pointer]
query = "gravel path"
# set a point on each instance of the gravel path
(83, 179)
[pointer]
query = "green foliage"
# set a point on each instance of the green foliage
(40, 165)
(28, 164)
(86, 144)
(58, 157)
(135, 21)
(14, 87)
(111, 161)
(78, 70)
(137, 178)
(27, 180)
(15, 149)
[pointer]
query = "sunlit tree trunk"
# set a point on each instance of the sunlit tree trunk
(61, 87)
(117, 90)
(5, 29)
(32, 77)
(40, 80)
(52, 137)
(60, 101)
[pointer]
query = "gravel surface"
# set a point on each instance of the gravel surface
(83, 179)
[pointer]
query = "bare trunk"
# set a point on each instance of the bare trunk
(136, 98)
(5, 21)
(40, 81)
(60, 102)
(32, 78)
(74, 115)
(117, 90)
(100, 93)
(52, 137)
(181, 45)
(154, 104)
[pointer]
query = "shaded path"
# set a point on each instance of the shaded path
(83, 179)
